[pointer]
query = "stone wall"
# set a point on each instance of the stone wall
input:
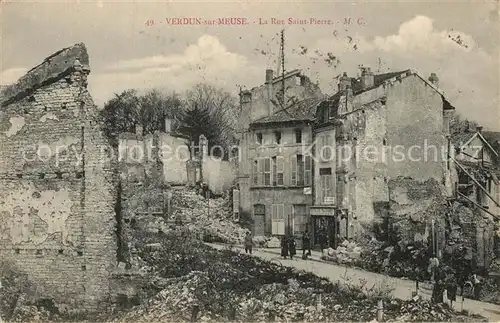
(57, 184)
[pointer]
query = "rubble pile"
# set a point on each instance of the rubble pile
(209, 219)
(266, 242)
(195, 281)
(347, 253)
(174, 303)
(416, 310)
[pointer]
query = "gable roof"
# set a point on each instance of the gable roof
(481, 137)
(379, 80)
(303, 110)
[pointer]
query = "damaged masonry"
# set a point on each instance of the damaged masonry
(102, 231)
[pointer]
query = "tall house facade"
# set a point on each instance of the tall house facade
(275, 171)
(377, 139)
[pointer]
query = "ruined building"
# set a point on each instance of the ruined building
(275, 176)
(477, 191)
(381, 151)
(57, 184)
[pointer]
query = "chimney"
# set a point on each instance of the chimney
(245, 98)
(367, 78)
(270, 91)
(246, 109)
(139, 130)
(168, 125)
(434, 79)
(269, 75)
(479, 129)
(344, 82)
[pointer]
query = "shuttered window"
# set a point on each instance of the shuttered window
(293, 173)
(274, 170)
(326, 185)
(280, 169)
(307, 171)
(300, 170)
(261, 172)
(278, 219)
(267, 171)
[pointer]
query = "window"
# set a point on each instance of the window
(261, 172)
(278, 219)
(275, 173)
(326, 147)
(267, 171)
(298, 136)
(326, 185)
(301, 171)
(255, 172)
(259, 209)
(280, 170)
(235, 152)
(277, 137)
(293, 173)
(259, 138)
(298, 80)
(299, 218)
(323, 114)
(307, 171)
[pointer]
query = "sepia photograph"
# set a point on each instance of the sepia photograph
(249, 161)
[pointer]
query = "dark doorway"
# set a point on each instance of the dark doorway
(325, 229)
(259, 212)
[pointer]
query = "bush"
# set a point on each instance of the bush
(14, 287)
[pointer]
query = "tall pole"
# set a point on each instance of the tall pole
(283, 66)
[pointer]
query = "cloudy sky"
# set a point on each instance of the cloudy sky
(131, 44)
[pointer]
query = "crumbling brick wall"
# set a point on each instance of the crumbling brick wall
(57, 183)
(414, 205)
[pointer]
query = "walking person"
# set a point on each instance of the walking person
(284, 247)
(248, 243)
(306, 244)
(291, 246)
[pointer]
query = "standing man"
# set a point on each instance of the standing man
(291, 246)
(284, 246)
(248, 243)
(306, 244)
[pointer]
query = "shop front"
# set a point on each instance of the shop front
(326, 228)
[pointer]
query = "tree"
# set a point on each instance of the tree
(155, 106)
(120, 114)
(123, 112)
(210, 111)
(460, 125)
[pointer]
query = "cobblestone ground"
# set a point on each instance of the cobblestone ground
(403, 288)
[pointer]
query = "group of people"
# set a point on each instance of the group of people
(288, 246)
(451, 279)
